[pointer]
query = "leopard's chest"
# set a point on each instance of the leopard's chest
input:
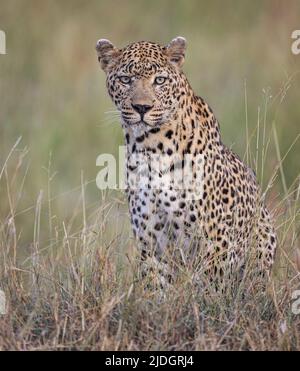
(162, 204)
(157, 204)
(156, 211)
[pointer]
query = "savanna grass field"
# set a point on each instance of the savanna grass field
(68, 261)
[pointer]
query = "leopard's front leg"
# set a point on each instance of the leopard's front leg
(152, 233)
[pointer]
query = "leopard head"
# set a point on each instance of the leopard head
(144, 80)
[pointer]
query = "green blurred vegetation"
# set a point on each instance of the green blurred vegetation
(52, 92)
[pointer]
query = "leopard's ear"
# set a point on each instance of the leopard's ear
(176, 51)
(107, 53)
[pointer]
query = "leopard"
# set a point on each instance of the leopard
(163, 118)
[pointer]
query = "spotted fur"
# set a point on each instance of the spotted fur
(161, 115)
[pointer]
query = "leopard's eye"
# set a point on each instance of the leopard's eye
(160, 80)
(125, 79)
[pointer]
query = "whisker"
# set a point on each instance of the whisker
(114, 111)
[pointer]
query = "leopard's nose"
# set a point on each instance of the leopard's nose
(141, 108)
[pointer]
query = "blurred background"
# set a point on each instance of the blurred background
(53, 95)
